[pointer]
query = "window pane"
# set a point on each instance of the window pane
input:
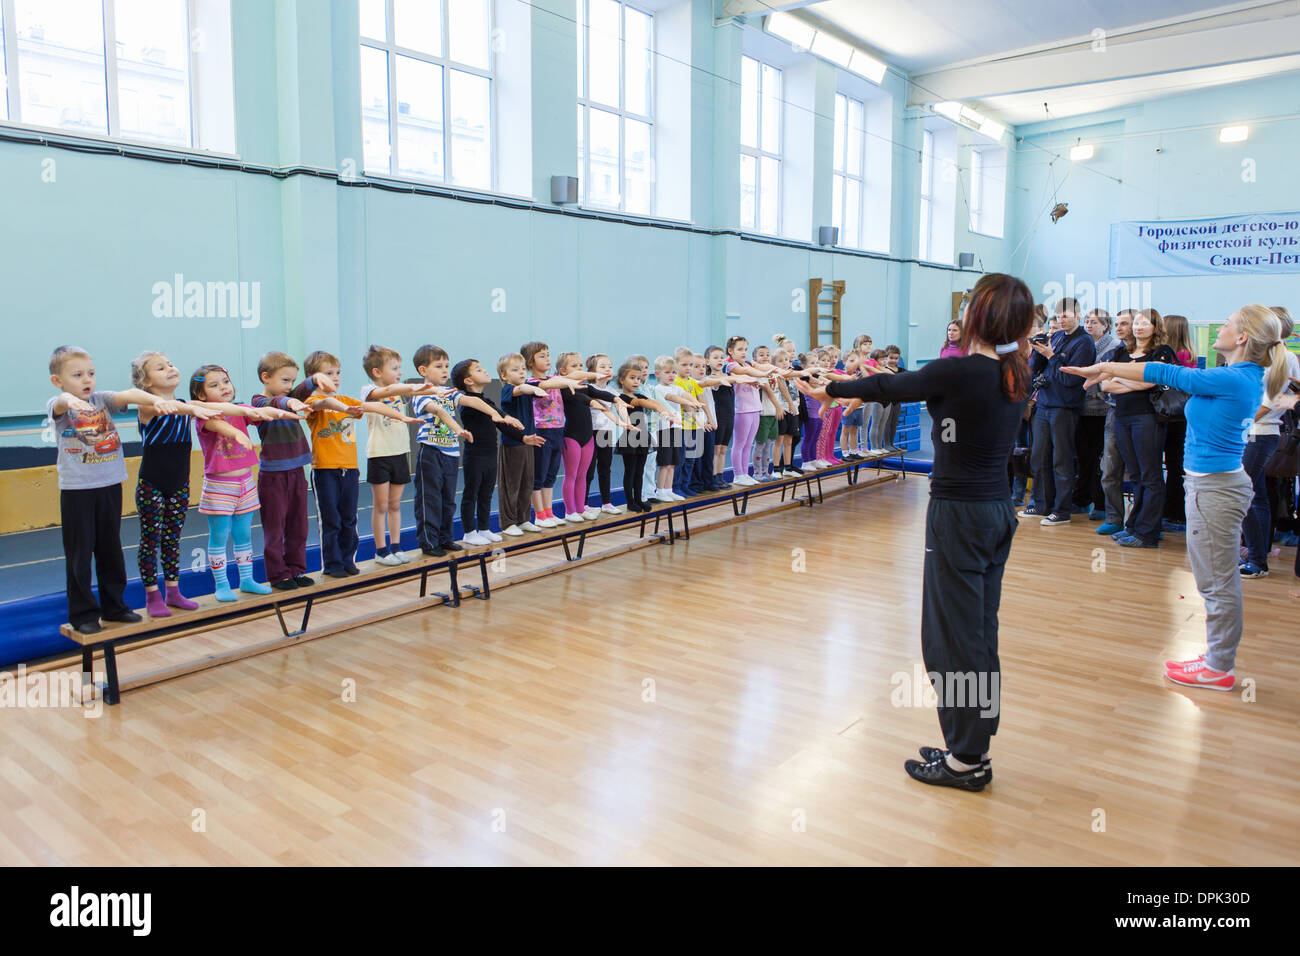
(4, 81)
(771, 127)
(582, 169)
(417, 25)
(927, 147)
(748, 195)
(374, 110)
(61, 64)
(769, 181)
(855, 138)
(419, 118)
(852, 212)
(638, 166)
(582, 29)
(837, 202)
(471, 130)
(636, 82)
(153, 70)
(748, 102)
(467, 32)
(604, 174)
(924, 246)
(841, 120)
(602, 38)
(374, 19)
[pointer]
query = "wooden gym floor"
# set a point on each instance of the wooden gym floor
(697, 704)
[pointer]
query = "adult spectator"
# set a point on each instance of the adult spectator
(1090, 438)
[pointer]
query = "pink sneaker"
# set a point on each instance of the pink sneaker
(1198, 674)
(1183, 665)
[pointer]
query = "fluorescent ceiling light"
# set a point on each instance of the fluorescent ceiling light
(1234, 134)
(799, 33)
(972, 119)
(867, 66)
(993, 130)
(829, 48)
(950, 110)
(1081, 152)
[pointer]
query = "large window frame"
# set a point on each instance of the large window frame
(983, 194)
(925, 220)
(624, 115)
(444, 62)
(756, 152)
(843, 178)
(11, 74)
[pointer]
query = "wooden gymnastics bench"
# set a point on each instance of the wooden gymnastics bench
(212, 614)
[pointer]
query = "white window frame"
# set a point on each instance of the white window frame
(979, 198)
(12, 76)
(759, 153)
(391, 49)
(621, 111)
(926, 210)
(840, 168)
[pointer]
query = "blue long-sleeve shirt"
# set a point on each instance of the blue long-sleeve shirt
(1064, 391)
(1219, 413)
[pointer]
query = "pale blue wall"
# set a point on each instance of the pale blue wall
(1193, 176)
(341, 266)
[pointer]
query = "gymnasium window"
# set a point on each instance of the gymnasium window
(154, 71)
(937, 214)
(616, 82)
(760, 146)
(846, 189)
(427, 90)
(988, 190)
(927, 194)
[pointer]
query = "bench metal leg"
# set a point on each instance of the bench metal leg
(112, 694)
(819, 490)
(582, 540)
(424, 586)
(87, 666)
(686, 526)
(455, 588)
(306, 616)
(482, 566)
(671, 533)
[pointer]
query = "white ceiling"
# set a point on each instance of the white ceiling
(1010, 56)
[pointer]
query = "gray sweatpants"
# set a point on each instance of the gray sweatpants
(1112, 474)
(1216, 506)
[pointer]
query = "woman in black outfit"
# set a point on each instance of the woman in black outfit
(976, 402)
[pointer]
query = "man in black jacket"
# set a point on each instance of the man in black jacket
(1056, 418)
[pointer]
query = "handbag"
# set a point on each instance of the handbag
(1168, 402)
(1285, 462)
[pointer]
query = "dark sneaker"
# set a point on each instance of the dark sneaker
(303, 581)
(90, 627)
(438, 552)
(930, 754)
(352, 569)
(288, 584)
(937, 773)
(1251, 570)
(453, 546)
(1133, 541)
(1121, 533)
(336, 573)
(1173, 527)
(1030, 512)
(126, 617)
(1055, 518)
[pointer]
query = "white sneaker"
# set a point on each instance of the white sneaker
(527, 526)
(492, 536)
(402, 556)
(388, 560)
(591, 514)
(611, 509)
(677, 497)
(476, 539)
(573, 518)
(549, 523)
(514, 531)
(809, 466)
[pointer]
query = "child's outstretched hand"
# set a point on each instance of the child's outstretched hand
(411, 421)
(166, 406)
(323, 382)
(243, 439)
(300, 408)
(354, 411)
(202, 412)
(465, 434)
(537, 441)
(75, 404)
(516, 423)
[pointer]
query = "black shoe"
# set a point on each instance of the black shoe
(937, 773)
(340, 573)
(646, 507)
(352, 569)
(288, 584)
(930, 754)
(453, 546)
(90, 627)
(303, 581)
(434, 552)
(126, 617)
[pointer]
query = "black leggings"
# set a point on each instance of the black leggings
(476, 499)
(633, 464)
(601, 462)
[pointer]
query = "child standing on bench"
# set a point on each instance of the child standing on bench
(634, 441)
(515, 458)
(91, 471)
(548, 417)
(605, 434)
(724, 407)
(388, 450)
(668, 455)
(162, 494)
(281, 474)
(482, 419)
(437, 460)
(579, 435)
(332, 423)
(748, 405)
(229, 488)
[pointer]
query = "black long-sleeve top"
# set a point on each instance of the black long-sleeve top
(577, 412)
(484, 430)
(974, 425)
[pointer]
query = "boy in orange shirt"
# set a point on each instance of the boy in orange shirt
(334, 464)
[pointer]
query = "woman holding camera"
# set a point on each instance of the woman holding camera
(1222, 405)
(976, 401)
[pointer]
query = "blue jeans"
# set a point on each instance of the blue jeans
(336, 499)
(546, 459)
(1258, 526)
(1141, 441)
(1051, 459)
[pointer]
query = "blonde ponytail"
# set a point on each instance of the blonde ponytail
(1264, 345)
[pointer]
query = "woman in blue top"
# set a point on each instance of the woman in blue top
(1219, 414)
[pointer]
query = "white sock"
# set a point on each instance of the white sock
(955, 764)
